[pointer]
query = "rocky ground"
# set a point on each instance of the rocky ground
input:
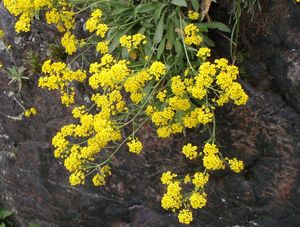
(265, 134)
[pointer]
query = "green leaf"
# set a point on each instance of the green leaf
(179, 115)
(216, 25)
(34, 225)
(202, 27)
(170, 36)
(195, 4)
(142, 30)
(118, 11)
(178, 46)
(208, 41)
(161, 48)
(159, 29)
(125, 53)
(179, 3)
(37, 14)
(2, 225)
(145, 8)
(157, 12)
(148, 47)
(5, 213)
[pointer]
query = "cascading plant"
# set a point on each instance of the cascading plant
(155, 65)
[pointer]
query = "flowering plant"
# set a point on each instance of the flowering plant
(155, 66)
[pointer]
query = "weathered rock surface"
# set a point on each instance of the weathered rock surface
(265, 133)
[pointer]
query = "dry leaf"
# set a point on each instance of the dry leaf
(205, 5)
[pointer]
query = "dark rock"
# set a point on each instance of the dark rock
(274, 45)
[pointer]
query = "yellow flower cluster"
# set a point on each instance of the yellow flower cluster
(175, 199)
(99, 178)
(109, 73)
(235, 165)
(212, 82)
(69, 41)
(211, 159)
(200, 179)
(59, 77)
(102, 47)
(198, 200)
(123, 93)
(185, 216)
(63, 18)
(135, 84)
(203, 53)
(193, 15)
(30, 112)
(157, 69)
(94, 24)
(134, 41)
(191, 36)
(161, 95)
(135, 146)
(93, 133)
(167, 177)
(190, 151)
(25, 9)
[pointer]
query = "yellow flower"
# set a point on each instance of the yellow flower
(167, 177)
(77, 177)
(235, 165)
(185, 216)
(161, 95)
(173, 198)
(101, 30)
(157, 69)
(138, 39)
(178, 103)
(198, 200)
(213, 162)
(32, 111)
(210, 149)
(200, 179)
(191, 36)
(1, 33)
(190, 151)
(69, 42)
(135, 146)
(177, 86)
(24, 22)
(187, 179)
(98, 180)
(203, 52)
(27, 113)
(134, 41)
(102, 47)
(94, 24)
(193, 15)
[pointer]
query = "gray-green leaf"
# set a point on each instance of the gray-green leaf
(179, 3)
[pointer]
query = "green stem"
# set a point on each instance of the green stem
(183, 42)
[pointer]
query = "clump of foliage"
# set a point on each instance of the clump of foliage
(4, 215)
(156, 66)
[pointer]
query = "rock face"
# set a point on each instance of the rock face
(265, 134)
(275, 42)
